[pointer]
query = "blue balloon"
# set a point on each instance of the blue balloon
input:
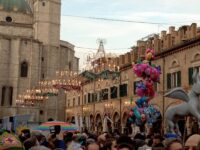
(142, 101)
(137, 113)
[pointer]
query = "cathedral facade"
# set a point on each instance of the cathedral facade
(31, 51)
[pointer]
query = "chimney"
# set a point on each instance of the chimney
(163, 33)
(171, 29)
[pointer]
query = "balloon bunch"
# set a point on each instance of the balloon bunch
(142, 112)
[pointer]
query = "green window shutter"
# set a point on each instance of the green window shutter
(168, 81)
(88, 97)
(120, 90)
(125, 89)
(190, 72)
(113, 92)
(179, 78)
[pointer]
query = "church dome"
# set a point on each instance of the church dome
(15, 5)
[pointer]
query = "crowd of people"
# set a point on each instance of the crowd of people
(105, 141)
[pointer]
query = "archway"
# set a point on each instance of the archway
(92, 126)
(98, 121)
(73, 120)
(68, 119)
(126, 125)
(116, 121)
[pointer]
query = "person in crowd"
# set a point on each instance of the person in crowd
(93, 146)
(102, 140)
(174, 144)
(56, 141)
(25, 134)
(125, 146)
(157, 141)
(110, 144)
(31, 142)
(68, 138)
(39, 148)
(193, 142)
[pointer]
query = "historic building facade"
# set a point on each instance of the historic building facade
(177, 52)
(30, 51)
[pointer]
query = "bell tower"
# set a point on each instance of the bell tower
(47, 21)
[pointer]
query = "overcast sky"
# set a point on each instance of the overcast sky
(121, 35)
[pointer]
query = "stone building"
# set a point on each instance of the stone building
(177, 52)
(30, 51)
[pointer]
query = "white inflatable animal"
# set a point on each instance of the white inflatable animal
(190, 106)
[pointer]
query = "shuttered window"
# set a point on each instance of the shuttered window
(168, 81)
(89, 98)
(10, 95)
(3, 95)
(24, 69)
(104, 94)
(190, 73)
(114, 92)
(123, 90)
(173, 80)
(178, 79)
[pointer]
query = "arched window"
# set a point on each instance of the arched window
(174, 64)
(24, 69)
(3, 95)
(197, 57)
(10, 95)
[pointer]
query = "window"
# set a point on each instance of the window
(173, 41)
(114, 92)
(8, 19)
(100, 95)
(104, 94)
(190, 73)
(94, 97)
(24, 69)
(43, 3)
(79, 100)
(173, 80)
(73, 102)
(123, 90)
(85, 97)
(41, 112)
(89, 97)
(10, 95)
(68, 103)
(43, 76)
(42, 58)
(70, 65)
(3, 95)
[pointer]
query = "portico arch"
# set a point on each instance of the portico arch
(116, 120)
(98, 121)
